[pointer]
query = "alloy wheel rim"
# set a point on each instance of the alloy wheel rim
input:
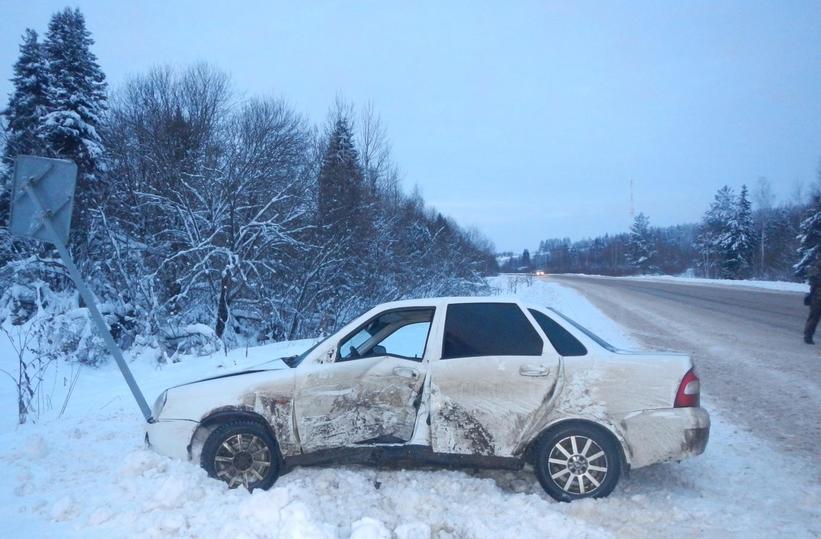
(577, 465)
(242, 459)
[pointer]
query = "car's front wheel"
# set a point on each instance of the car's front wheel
(577, 461)
(242, 453)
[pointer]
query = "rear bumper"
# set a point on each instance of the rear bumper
(663, 435)
(171, 437)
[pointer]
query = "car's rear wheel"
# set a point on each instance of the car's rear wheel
(577, 461)
(242, 453)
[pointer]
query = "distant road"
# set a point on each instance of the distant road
(774, 310)
(746, 342)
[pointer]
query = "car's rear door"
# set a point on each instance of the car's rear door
(495, 377)
(370, 393)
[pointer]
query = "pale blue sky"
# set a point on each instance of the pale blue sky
(526, 119)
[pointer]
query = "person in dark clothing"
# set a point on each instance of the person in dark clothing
(809, 264)
(813, 300)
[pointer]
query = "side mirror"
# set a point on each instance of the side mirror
(378, 350)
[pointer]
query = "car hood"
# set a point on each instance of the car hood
(240, 389)
(232, 374)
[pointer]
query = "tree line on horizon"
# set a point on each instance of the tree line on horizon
(739, 237)
(202, 217)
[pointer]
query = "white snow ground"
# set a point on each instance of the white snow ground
(87, 474)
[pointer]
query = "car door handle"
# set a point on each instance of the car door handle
(534, 370)
(405, 372)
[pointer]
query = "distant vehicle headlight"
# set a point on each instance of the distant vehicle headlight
(159, 404)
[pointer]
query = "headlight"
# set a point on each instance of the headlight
(159, 404)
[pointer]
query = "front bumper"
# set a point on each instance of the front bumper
(171, 437)
(654, 436)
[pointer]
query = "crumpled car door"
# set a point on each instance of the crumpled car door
(489, 403)
(364, 401)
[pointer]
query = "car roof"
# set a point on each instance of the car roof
(442, 301)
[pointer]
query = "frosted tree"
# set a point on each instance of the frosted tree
(345, 219)
(264, 213)
(375, 153)
(808, 267)
(216, 219)
(763, 219)
(211, 206)
(76, 95)
(26, 105)
(737, 240)
(641, 248)
(341, 181)
(28, 101)
(713, 231)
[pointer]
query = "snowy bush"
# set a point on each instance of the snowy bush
(192, 339)
(18, 304)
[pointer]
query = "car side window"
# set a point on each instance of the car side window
(489, 329)
(407, 341)
(561, 339)
(348, 349)
(402, 333)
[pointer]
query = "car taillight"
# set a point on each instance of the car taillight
(689, 391)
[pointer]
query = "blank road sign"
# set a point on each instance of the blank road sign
(53, 181)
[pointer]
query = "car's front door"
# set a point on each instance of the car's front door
(370, 393)
(495, 378)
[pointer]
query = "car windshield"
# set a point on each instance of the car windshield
(294, 361)
(598, 340)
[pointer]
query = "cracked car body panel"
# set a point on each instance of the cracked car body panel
(268, 394)
(484, 405)
(491, 407)
(198, 400)
(352, 402)
(615, 389)
(664, 435)
(278, 409)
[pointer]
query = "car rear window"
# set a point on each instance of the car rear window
(561, 339)
(601, 342)
(489, 329)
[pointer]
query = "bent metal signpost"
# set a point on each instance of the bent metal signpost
(42, 199)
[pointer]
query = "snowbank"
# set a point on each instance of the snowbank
(780, 286)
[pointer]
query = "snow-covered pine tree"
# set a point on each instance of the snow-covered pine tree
(340, 180)
(27, 103)
(737, 242)
(76, 96)
(714, 227)
(26, 106)
(641, 248)
(809, 250)
(343, 219)
(782, 229)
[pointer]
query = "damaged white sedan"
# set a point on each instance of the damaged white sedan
(477, 382)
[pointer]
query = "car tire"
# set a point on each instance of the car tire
(242, 453)
(577, 461)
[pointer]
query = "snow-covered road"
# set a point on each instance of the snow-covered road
(87, 474)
